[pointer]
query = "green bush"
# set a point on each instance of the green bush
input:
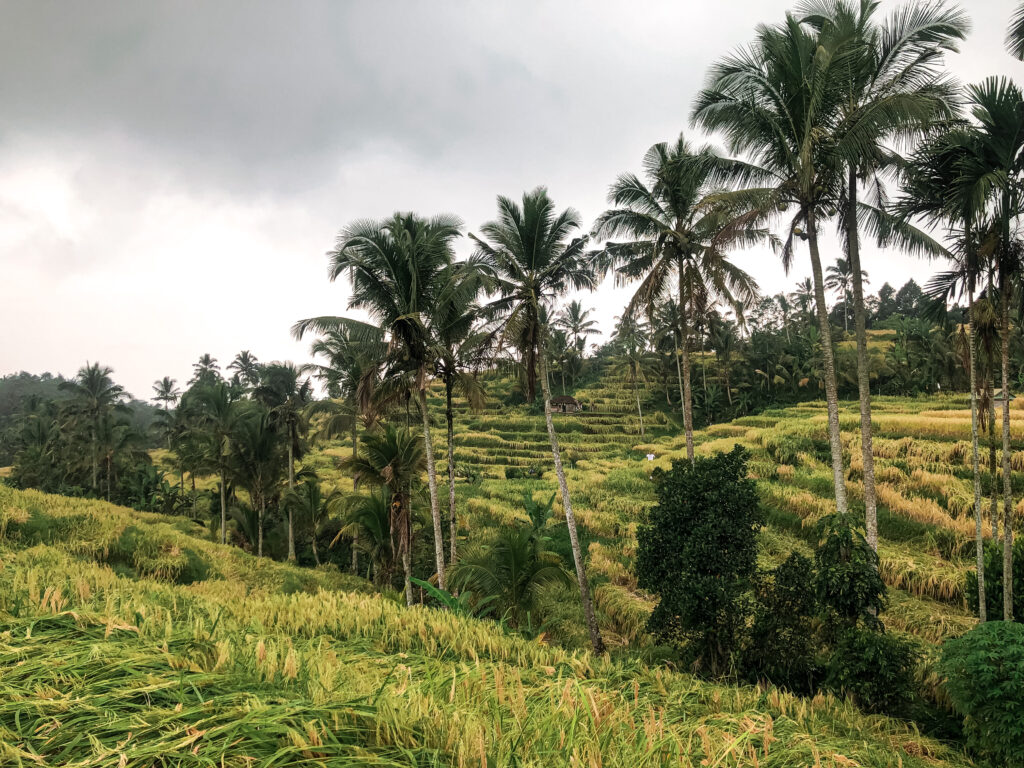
(781, 647)
(846, 581)
(875, 669)
(994, 581)
(984, 672)
(697, 551)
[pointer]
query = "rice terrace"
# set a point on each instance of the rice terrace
(726, 470)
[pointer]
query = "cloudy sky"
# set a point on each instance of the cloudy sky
(172, 173)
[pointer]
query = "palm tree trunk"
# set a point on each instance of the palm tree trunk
(687, 391)
(406, 544)
(223, 509)
(679, 373)
(449, 415)
(570, 519)
(703, 362)
(259, 527)
(435, 510)
(316, 553)
(863, 371)
(95, 460)
(831, 394)
(1007, 485)
(979, 542)
(109, 477)
(639, 410)
(992, 464)
(355, 485)
(291, 486)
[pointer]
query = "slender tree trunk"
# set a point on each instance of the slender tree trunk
(316, 553)
(291, 486)
(109, 477)
(95, 461)
(679, 373)
(979, 542)
(223, 509)
(259, 527)
(435, 510)
(1007, 485)
(863, 370)
(581, 571)
(355, 485)
(639, 410)
(703, 361)
(992, 464)
(831, 394)
(453, 524)
(407, 550)
(684, 333)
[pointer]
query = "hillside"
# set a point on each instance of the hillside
(128, 640)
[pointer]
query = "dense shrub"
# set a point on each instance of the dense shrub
(847, 582)
(875, 669)
(994, 581)
(698, 551)
(984, 672)
(781, 647)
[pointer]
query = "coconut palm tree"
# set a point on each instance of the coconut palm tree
(308, 502)
(398, 268)
(634, 360)
(205, 371)
(675, 241)
(839, 278)
(283, 390)
(392, 457)
(218, 416)
(775, 101)
(93, 397)
(255, 460)
(892, 86)
(991, 175)
(462, 348)
(931, 191)
(246, 369)
(574, 320)
(165, 391)
(536, 256)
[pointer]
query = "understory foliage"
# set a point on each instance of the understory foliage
(698, 551)
(994, 581)
(984, 672)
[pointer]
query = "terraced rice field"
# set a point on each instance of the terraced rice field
(129, 640)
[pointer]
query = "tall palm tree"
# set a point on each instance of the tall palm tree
(165, 391)
(255, 460)
(367, 520)
(839, 278)
(532, 250)
(676, 240)
(246, 368)
(205, 371)
(634, 361)
(574, 320)
(94, 396)
(218, 417)
(775, 100)
(398, 268)
(392, 457)
(892, 87)
(309, 502)
(283, 390)
(931, 191)
(462, 348)
(991, 175)
(803, 298)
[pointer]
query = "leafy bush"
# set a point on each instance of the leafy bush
(984, 672)
(698, 552)
(847, 582)
(994, 581)
(781, 647)
(875, 669)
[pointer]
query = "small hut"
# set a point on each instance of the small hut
(998, 396)
(565, 404)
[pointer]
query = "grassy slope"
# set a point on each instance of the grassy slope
(125, 640)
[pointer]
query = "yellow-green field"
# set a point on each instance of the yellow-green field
(131, 640)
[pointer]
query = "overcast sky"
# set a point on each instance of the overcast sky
(172, 173)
